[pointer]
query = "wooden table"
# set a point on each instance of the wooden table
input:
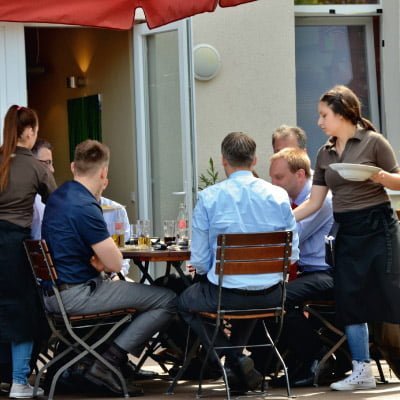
(173, 258)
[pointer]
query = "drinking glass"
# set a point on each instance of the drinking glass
(169, 232)
(119, 234)
(143, 233)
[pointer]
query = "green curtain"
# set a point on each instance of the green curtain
(84, 120)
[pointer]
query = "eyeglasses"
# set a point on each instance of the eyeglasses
(47, 162)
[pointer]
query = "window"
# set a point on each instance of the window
(331, 51)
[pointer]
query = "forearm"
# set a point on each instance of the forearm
(388, 180)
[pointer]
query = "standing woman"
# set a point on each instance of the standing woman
(367, 250)
(21, 177)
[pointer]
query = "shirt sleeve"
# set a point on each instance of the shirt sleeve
(313, 223)
(47, 185)
(201, 252)
(385, 156)
(90, 224)
(319, 172)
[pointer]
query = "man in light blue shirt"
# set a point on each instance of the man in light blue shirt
(241, 203)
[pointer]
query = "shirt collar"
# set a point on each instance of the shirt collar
(241, 172)
(331, 142)
(23, 150)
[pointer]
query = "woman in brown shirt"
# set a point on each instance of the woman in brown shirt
(367, 266)
(21, 177)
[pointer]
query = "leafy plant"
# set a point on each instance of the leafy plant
(210, 177)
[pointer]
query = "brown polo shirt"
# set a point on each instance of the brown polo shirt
(365, 147)
(28, 176)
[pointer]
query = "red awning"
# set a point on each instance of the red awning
(116, 14)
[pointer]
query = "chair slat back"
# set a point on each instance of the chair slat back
(40, 260)
(253, 253)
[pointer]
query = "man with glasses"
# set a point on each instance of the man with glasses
(43, 151)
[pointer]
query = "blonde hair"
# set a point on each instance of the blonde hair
(296, 159)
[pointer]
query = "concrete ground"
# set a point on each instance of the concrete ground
(156, 389)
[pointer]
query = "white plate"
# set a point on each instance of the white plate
(354, 172)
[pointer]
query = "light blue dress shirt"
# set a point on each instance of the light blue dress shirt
(241, 203)
(312, 231)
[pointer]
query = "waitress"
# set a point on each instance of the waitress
(367, 270)
(22, 176)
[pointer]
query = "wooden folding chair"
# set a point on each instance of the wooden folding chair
(334, 337)
(246, 254)
(66, 327)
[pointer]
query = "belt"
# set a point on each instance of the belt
(245, 292)
(61, 288)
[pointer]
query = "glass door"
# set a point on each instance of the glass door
(333, 51)
(164, 121)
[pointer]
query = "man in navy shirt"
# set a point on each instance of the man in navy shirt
(78, 239)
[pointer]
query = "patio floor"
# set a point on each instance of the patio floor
(156, 389)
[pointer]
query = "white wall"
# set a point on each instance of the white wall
(254, 91)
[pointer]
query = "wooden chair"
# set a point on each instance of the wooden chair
(324, 311)
(66, 327)
(246, 254)
(334, 337)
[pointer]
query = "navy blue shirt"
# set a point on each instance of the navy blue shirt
(73, 222)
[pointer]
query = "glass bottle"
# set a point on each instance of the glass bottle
(182, 226)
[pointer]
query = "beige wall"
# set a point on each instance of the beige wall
(105, 58)
(254, 91)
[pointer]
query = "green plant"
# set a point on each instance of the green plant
(210, 177)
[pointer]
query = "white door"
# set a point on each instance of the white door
(164, 121)
(12, 68)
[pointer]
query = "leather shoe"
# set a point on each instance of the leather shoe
(243, 368)
(236, 386)
(100, 375)
(128, 370)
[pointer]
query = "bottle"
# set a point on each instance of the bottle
(182, 226)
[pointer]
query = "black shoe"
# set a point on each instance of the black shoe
(128, 370)
(100, 375)
(243, 368)
(236, 386)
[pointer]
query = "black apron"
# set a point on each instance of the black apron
(367, 269)
(21, 314)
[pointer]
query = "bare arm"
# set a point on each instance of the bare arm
(387, 179)
(314, 203)
(107, 256)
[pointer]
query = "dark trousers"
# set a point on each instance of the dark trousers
(298, 333)
(203, 296)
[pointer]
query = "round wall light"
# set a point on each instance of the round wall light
(207, 62)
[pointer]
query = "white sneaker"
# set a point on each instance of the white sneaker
(361, 378)
(23, 391)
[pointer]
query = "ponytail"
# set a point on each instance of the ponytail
(17, 119)
(367, 124)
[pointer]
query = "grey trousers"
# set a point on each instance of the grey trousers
(156, 306)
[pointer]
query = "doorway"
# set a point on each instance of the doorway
(164, 121)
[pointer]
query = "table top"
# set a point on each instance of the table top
(156, 255)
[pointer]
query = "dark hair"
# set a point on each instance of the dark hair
(90, 155)
(40, 144)
(296, 159)
(343, 101)
(238, 149)
(285, 131)
(16, 120)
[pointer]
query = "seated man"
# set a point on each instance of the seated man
(78, 239)
(241, 203)
(118, 214)
(290, 169)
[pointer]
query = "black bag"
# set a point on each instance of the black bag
(330, 240)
